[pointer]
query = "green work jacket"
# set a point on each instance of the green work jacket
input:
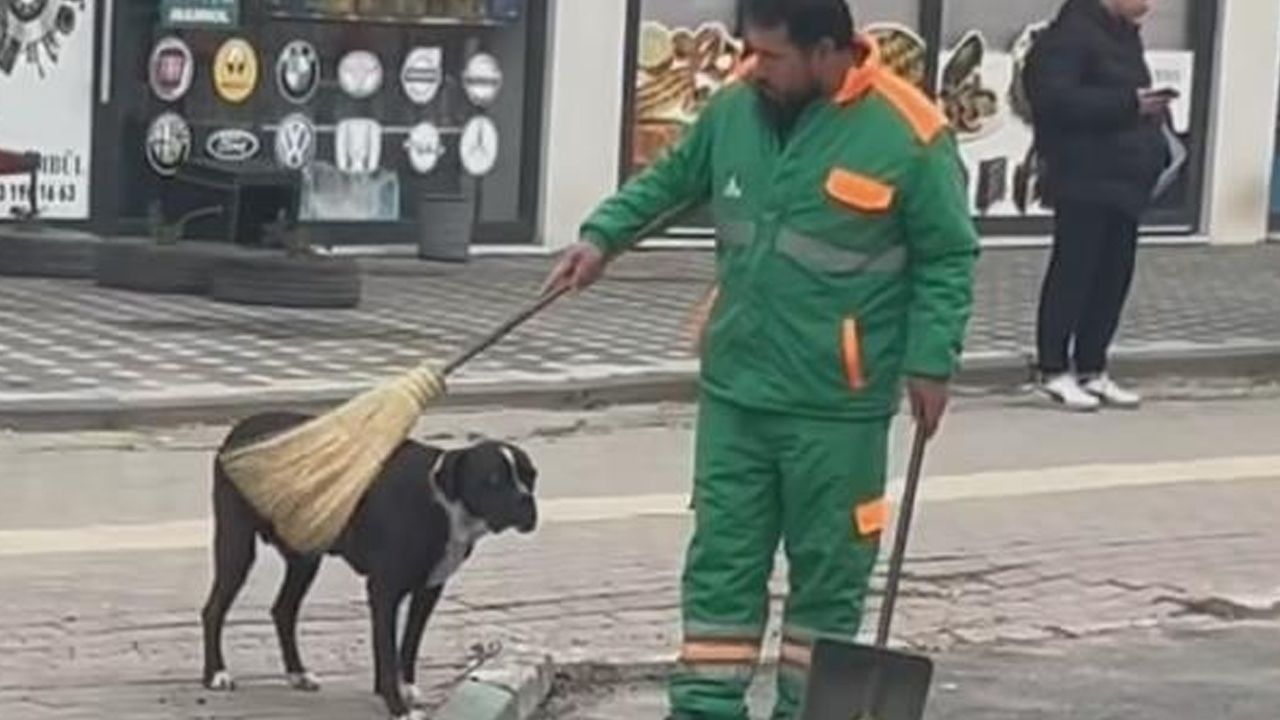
(845, 253)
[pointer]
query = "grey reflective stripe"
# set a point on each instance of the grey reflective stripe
(827, 258)
(735, 233)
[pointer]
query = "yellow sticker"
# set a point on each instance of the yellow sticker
(235, 70)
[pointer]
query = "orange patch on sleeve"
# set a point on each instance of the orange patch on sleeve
(872, 517)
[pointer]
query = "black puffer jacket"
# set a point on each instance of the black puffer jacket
(1083, 80)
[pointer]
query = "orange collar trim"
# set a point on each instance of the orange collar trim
(861, 77)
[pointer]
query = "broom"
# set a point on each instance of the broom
(308, 480)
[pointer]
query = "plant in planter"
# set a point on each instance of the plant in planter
(300, 277)
(30, 248)
(162, 262)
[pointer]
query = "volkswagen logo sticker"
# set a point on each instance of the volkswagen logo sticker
(235, 70)
(360, 74)
(168, 143)
(422, 74)
(298, 72)
(424, 148)
(295, 141)
(232, 145)
(482, 79)
(170, 69)
(357, 146)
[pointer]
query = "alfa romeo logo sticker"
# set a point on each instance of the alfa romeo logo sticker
(232, 145)
(235, 71)
(422, 74)
(171, 69)
(295, 141)
(357, 146)
(424, 148)
(482, 79)
(168, 143)
(360, 74)
(32, 31)
(298, 72)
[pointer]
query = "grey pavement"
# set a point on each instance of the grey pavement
(97, 623)
(68, 345)
(1224, 674)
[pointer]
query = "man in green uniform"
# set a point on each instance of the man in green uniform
(845, 257)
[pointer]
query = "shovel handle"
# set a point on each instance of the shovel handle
(515, 321)
(896, 558)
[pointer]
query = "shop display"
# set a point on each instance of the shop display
(235, 71)
(232, 145)
(424, 148)
(295, 142)
(678, 69)
(482, 79)
(902, 50)
(996, 130)
(329, 194)
(479, 146)
(46, 102)
(972, 107)
(360, 74)
(357, 146)
(168, 143)
(422, 74)
(298, 72)
(171, 69)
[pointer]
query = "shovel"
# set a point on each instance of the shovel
(855, 682)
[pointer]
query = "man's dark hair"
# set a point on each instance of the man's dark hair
(808, 22)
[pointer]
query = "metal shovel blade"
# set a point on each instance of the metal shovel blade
(858, 682)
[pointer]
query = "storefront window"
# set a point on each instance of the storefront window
(379, 105)
(681, 51)
(984, 46)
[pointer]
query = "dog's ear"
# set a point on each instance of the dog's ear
(524, 466)
(449, 473)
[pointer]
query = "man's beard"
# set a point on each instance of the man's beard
(782, 113)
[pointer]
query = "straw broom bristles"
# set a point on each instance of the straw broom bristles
(308, 480)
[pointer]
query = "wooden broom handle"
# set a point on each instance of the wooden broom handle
(503, 330)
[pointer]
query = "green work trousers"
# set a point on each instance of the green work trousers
(761, 478)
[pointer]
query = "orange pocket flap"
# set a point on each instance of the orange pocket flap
(872, 517)
(859, 191)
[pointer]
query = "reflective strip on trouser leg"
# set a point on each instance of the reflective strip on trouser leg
(830, 472)
(725, 586)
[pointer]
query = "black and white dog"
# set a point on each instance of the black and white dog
(416, 525)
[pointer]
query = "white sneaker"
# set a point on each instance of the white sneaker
(1065, 390)
(1106, 390)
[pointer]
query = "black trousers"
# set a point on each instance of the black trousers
(1090, 272)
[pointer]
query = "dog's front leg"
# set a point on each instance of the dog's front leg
(424, 603)
(383, 606)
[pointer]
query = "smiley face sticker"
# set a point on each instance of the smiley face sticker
(235, 71)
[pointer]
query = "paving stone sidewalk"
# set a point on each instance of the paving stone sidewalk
(116, 635)
(67, 342)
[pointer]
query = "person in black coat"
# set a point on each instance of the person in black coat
(1098, 130)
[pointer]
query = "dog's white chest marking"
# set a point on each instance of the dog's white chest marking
(464, 531)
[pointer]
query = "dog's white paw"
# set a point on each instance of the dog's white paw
(304, 681)
(414, 715)
(411, 695)
(221, 682)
